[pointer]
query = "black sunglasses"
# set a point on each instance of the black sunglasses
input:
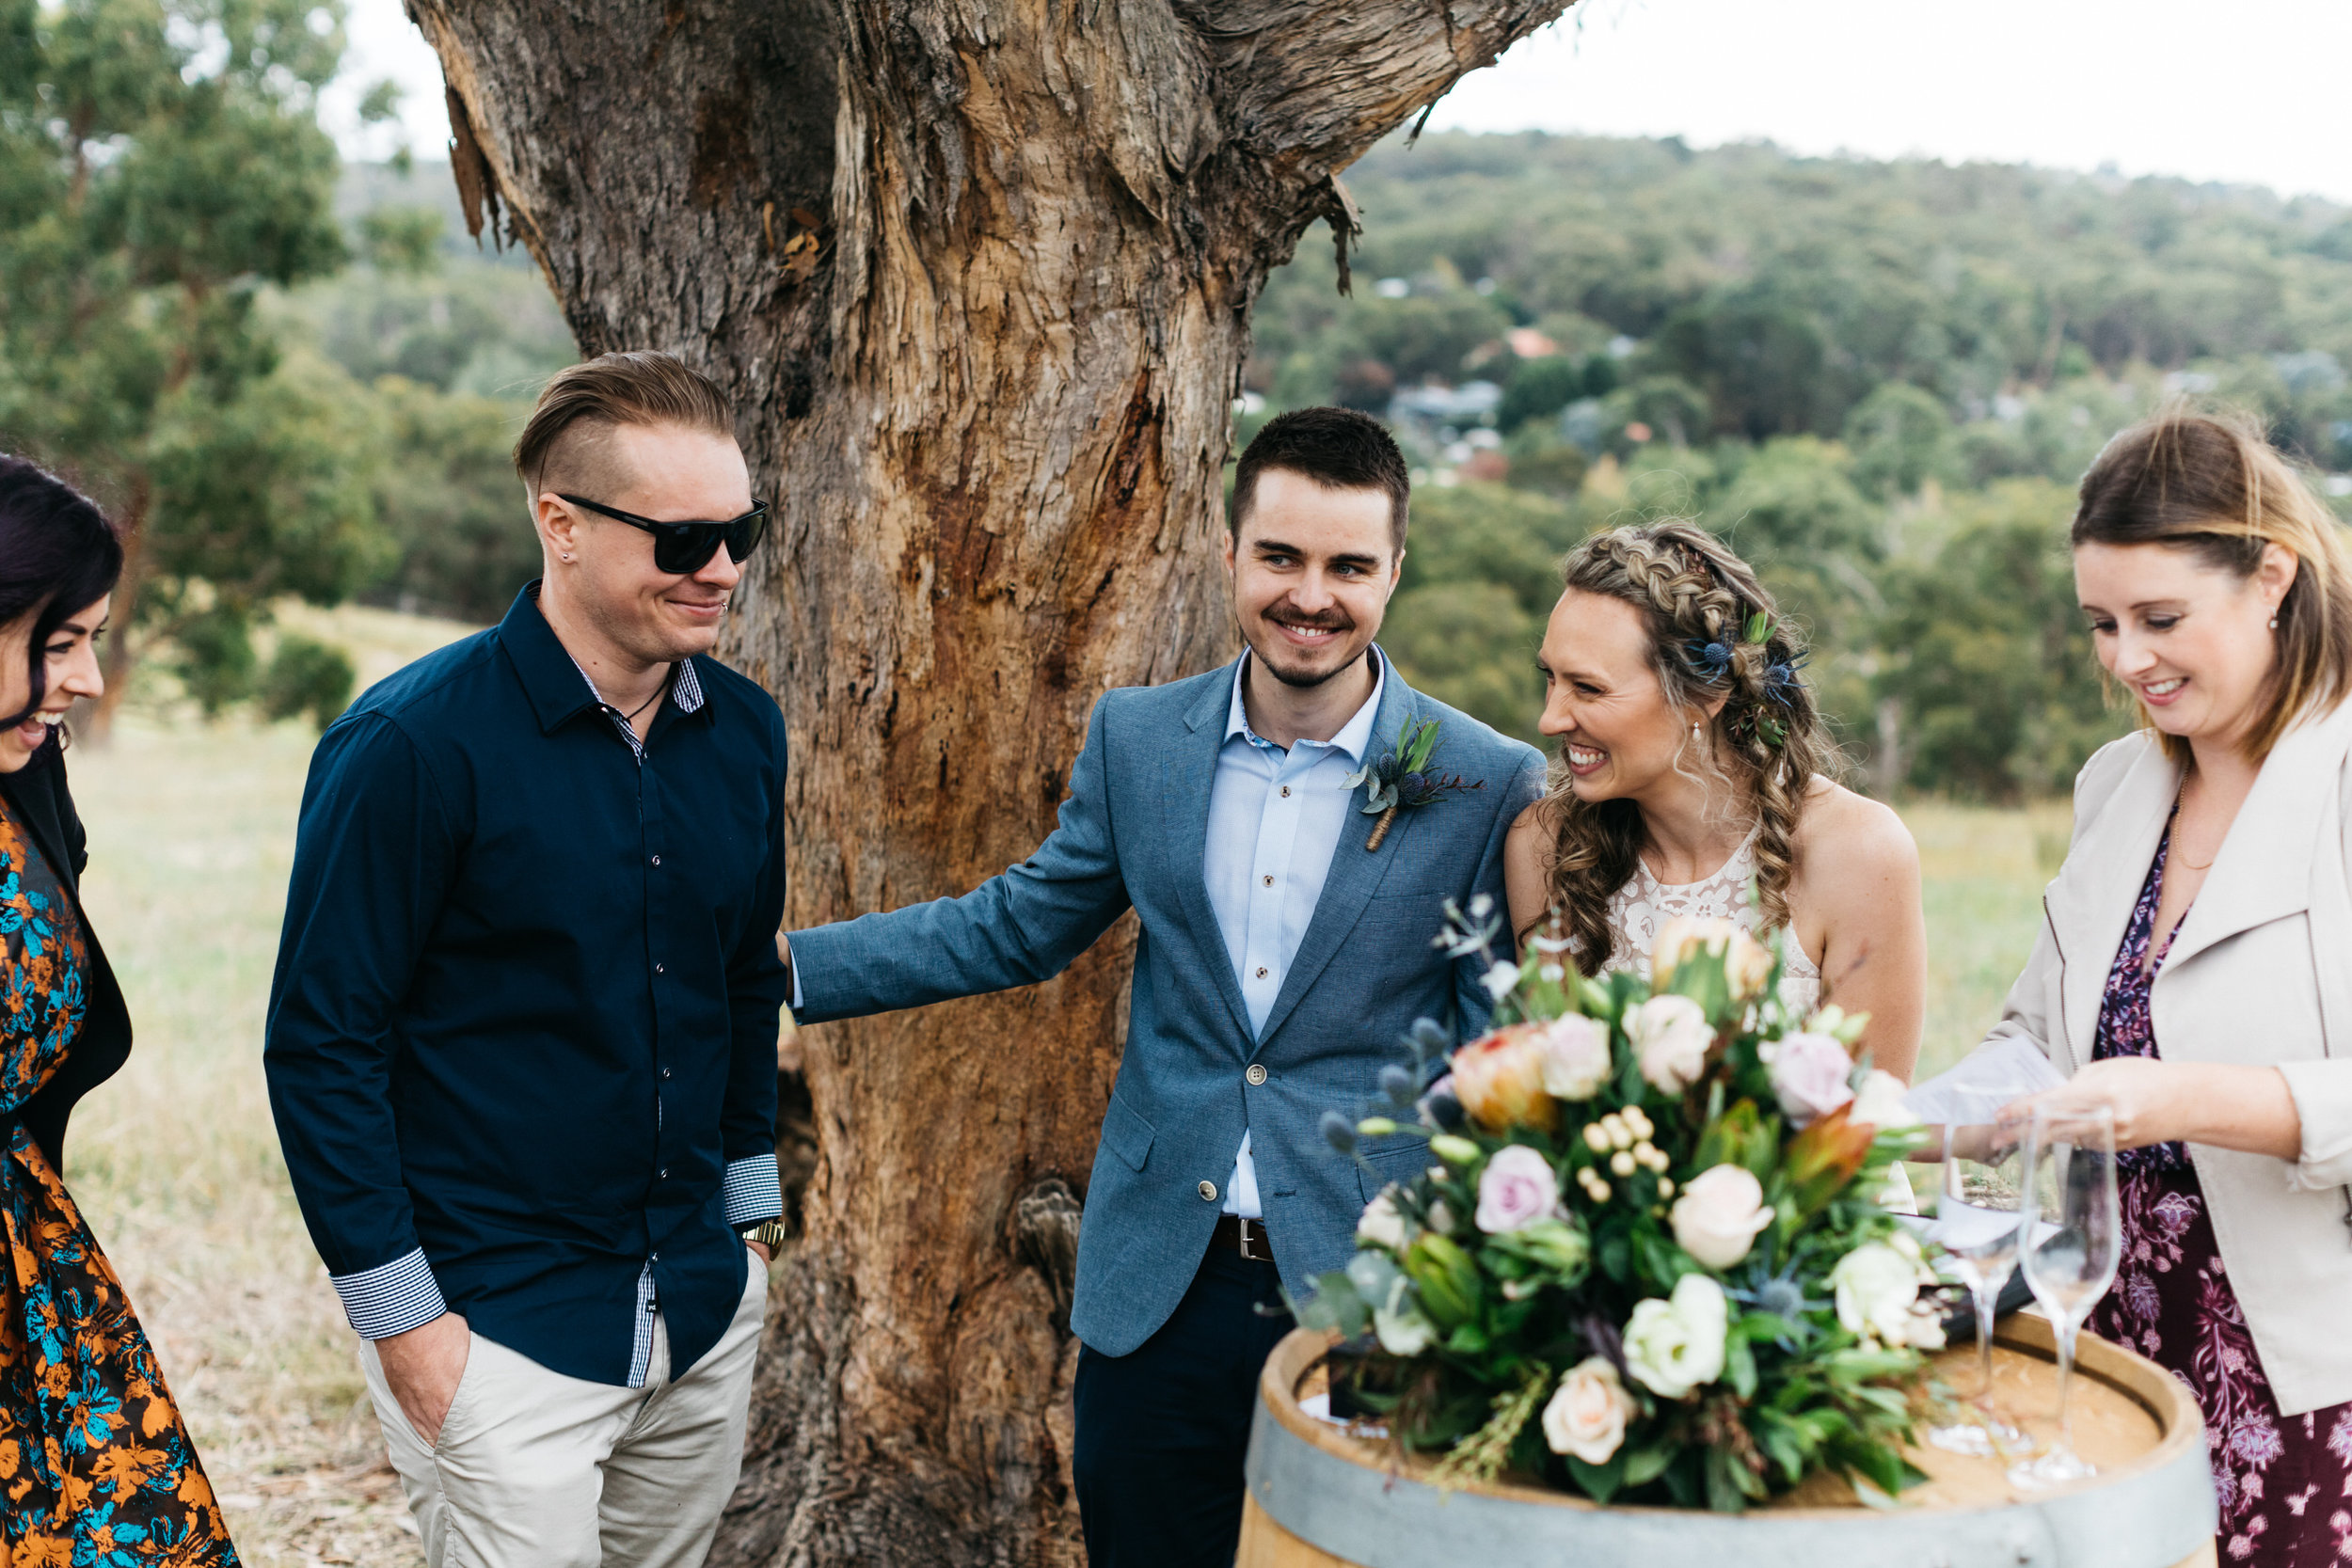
(682, 548)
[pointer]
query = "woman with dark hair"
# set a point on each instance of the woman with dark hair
(1694, 766)
(95, 1463)
(2194, 971)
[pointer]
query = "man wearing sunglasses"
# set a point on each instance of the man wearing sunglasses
(521, 1042)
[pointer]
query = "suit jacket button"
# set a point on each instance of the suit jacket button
(1256, 1074)
(1208, 1191)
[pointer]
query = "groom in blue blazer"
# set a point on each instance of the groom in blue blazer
(1281, 958)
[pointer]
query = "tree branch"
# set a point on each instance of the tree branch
(1313, 86)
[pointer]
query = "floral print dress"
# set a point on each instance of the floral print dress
(2285, 1482)
(96, 1471)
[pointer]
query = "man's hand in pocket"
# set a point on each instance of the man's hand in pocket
(422, 1366)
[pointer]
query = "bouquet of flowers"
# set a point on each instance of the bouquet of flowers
(1645, 1259)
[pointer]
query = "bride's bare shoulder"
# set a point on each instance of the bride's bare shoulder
(1842, 835)
(1537, 820)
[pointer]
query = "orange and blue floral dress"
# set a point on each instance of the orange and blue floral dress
(96, 1469)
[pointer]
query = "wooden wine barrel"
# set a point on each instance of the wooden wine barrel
(1321, 1498)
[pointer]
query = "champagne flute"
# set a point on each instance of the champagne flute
(1976, 1220)
(2071, 1239)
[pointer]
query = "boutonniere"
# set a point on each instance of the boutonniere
(1403, 778)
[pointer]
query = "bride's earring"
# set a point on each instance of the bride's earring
(2274, 619)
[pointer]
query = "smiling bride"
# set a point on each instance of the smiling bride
(1693, 762)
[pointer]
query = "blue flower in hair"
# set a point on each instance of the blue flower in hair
(1781, 680)
(1712, 659)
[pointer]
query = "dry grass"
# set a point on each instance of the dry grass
(1984, 872)
(175, 1162)
(177, 1166)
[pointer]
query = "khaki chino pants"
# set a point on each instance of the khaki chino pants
(534, 1469)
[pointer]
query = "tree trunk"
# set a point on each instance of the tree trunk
(978, 279)
(121, 653)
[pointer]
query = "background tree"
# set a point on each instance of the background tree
(978, 279)
(160, 163)
(1989, 657)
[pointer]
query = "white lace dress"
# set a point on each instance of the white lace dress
(1644, 904)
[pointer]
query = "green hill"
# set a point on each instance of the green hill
(1879, 380)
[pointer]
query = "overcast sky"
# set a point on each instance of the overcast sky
(2245, 91)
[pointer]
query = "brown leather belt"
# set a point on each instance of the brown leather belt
(1247, 1237)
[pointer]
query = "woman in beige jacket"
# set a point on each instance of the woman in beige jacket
(2194, 974)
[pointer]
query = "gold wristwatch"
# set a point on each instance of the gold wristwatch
(770, 1234)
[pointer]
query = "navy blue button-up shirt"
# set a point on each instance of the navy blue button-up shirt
(522, 1036)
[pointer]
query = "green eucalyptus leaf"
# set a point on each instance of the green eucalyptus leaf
(1739, 1366)
(1724, 1492)
(1643, 1465)
(1600, 1482)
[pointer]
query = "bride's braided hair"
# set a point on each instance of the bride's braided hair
(1700, 603)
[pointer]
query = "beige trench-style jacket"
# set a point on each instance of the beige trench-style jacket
(2259, 972)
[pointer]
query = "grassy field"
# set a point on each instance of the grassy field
(175, 1163)
(1984, 872)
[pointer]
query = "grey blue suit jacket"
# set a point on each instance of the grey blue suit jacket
(1132, 834)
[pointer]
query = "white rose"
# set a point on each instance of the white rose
(1670, 1035)
(1718, 1215)
(1381, 1224)
(1882, 1103)
(1588, 1412)
(1876, 1288)
(1673, 1346)
(1575, 1052)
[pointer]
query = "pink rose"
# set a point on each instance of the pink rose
(1516, 1189)
(1587, 1413)
(1809, 1073)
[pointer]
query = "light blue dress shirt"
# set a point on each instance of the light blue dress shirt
(1274, 820)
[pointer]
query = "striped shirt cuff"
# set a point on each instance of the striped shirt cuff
(392, 1298)
(753, 1191)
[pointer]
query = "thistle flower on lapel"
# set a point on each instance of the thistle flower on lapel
(1403, 778)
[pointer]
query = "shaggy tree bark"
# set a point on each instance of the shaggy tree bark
(979, 277)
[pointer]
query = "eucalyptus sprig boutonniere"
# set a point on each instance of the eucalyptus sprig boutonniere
(1403, 777)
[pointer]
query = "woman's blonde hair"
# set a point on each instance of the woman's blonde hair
(1703, 608)
(2213, 486)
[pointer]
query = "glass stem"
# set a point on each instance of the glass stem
(1987, 1296)
(2066, 1371)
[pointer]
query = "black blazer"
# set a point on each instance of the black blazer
(39, 800)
